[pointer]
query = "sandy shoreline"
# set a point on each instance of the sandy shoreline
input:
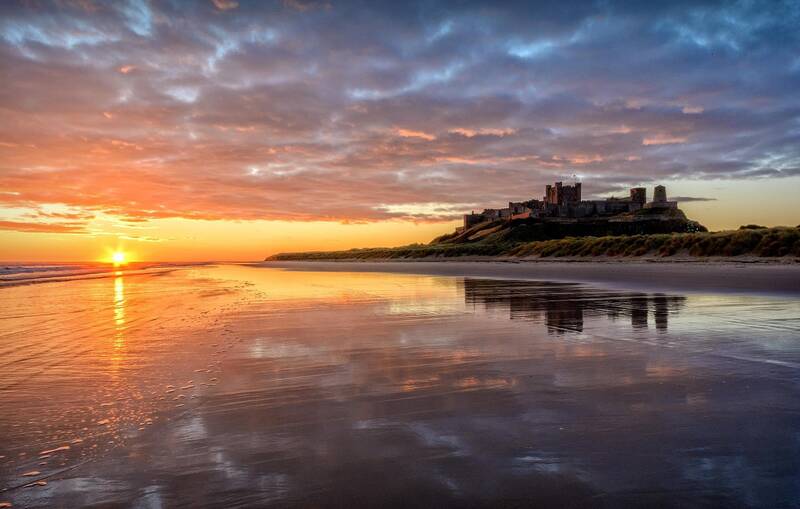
(242, 385)
(721, 276)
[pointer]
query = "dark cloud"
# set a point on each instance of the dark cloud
(352, 111)
(690, 198)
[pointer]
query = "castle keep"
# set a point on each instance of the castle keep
(563, 202)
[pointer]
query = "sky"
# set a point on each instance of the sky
(233, 129)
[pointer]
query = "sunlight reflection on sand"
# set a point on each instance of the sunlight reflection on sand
(241, 377)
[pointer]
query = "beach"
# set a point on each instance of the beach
(401, 385)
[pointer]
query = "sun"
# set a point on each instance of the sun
(118, 258)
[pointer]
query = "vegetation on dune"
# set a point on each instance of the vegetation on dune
(749, 240)
(517, 231)
(411, 251)
(767, 242)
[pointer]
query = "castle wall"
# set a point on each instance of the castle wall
(590, 208)
(471, 220)
(661, 205)
(562, 201)
(518, 207)
(571, 194)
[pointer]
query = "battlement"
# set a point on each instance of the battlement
(559, 194)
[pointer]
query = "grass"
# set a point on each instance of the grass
(758, 242)
(412, 251)
(766, 242)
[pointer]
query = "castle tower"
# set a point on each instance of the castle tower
(659, 194)
(559, 194)
(638, 195)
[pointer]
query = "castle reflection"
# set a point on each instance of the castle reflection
(563, 307)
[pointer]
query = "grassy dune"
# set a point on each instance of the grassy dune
(412, 251)
(767, 242)
(747, 241)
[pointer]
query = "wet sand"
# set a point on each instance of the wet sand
(776, 278)
(238, 386)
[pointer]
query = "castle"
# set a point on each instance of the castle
(563, 202)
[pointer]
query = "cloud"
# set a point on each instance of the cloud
(485, 131)
(345, 112)
(42, 227)
(428, 211)
(664, 139)
(690, 198)
(225, 5)
(408, 133)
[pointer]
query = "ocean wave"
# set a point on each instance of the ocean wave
(31, 273)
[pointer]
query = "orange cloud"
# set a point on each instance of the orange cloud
(664, 139)
(407, 133)
(469, 133)
(42, 227)
(580, 159)
(623, 129)
(225, 5)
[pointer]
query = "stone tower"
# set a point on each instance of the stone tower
(659, 194)
(561, 194)
(638, 195)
